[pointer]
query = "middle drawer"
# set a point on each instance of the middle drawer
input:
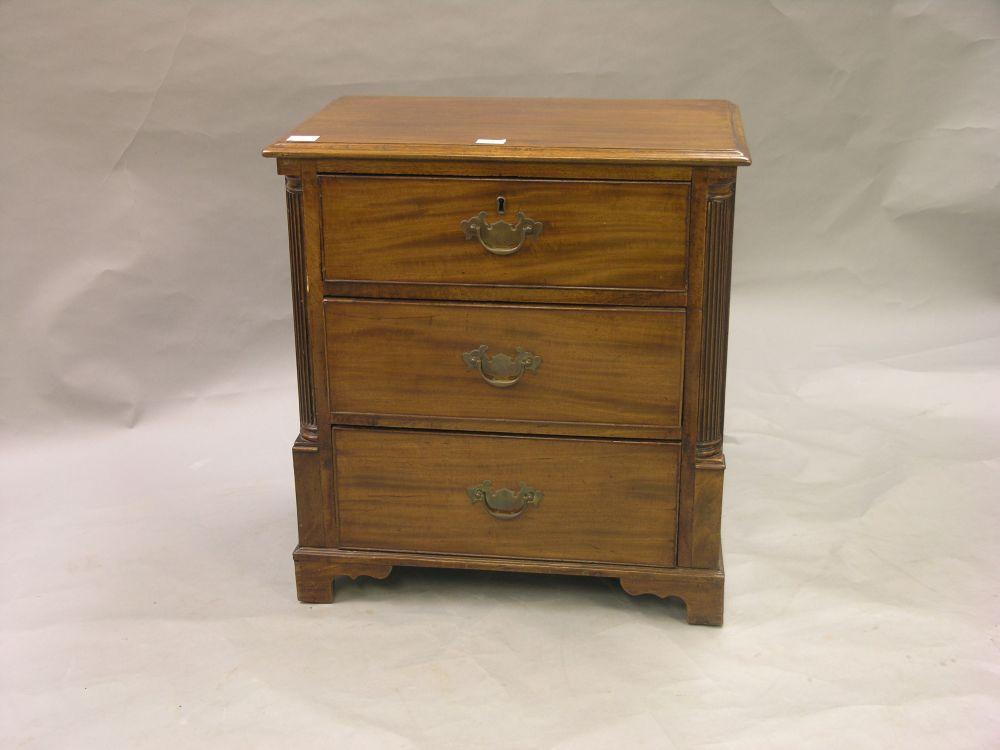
(614, 372)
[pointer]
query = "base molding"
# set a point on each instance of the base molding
(701, 589)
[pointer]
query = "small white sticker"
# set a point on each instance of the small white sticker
(491, 141)
(302, 138)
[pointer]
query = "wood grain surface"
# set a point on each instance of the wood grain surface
(407, 490)
(690, 131)
(601, 367)
(595, 235)
(624, 296)
(701, 589)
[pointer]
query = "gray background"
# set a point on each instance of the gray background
(148, 389)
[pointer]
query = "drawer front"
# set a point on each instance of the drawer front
(581, 370)
(597, 241)
(543, 498)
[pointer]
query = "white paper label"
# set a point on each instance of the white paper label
(302, 138)
(491, 141)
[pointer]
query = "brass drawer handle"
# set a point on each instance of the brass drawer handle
(503, 503)
(501, 238)
(501, 370)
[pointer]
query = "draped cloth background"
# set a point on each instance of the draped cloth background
(148, 401)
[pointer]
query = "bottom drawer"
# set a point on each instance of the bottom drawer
(531, 497)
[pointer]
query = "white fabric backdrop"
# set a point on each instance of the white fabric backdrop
(148, 389)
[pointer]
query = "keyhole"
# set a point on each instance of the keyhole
(501, 205)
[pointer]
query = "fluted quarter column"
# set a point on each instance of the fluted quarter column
(296, 248)
(715, 317)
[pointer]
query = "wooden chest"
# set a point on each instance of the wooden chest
(510, 322)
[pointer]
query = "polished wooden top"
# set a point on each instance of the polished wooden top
(682, 131)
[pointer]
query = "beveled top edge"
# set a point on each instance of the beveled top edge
(683, 131)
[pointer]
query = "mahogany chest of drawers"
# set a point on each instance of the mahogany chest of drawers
(510, 325)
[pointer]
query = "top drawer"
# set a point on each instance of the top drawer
(600, 242)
